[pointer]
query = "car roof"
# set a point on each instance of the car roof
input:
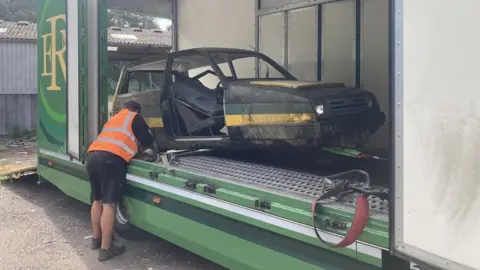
(215, 50)
(160, 63)
(153, 64)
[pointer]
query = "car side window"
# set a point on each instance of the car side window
(142, 81)
(193, 68)
(209, 80)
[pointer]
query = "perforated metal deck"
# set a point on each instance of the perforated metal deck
(290, 183)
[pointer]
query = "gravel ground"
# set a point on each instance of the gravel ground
(41, 228)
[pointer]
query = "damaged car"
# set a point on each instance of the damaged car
(241, 99)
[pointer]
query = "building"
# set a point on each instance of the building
(18, 66)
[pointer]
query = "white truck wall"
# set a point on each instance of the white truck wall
(338, 42)
(339, 56)
(208, 23)
(216, 23)
(374, 55)
(272, 29)
(437, 128)
(291, 39)
(303, 42)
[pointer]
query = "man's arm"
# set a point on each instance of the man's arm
(142, 132)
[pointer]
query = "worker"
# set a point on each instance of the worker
(108, 156)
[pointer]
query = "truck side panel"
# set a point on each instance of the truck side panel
(52, 69)
(62, 86)
(437, 116)
(210, 227)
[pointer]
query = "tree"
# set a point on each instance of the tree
(127, 20)
(18, 10)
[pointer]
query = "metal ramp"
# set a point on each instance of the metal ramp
(298, 185)
(17, 158)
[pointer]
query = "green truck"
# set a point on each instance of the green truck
(418, 58)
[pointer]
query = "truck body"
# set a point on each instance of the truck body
(252, 212)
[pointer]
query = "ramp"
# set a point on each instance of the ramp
(17, 157)
(290, 183)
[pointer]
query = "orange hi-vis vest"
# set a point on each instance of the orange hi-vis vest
(117, 136)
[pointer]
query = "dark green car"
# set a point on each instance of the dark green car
(216, 98)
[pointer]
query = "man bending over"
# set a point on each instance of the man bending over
(107, 161)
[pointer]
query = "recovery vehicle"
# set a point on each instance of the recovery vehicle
(420, 60)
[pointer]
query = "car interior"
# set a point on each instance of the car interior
(199, 109)
(198, 94)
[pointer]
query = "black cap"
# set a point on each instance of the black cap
(132, 106)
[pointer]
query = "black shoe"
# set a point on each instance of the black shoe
(114, 250)
(96, 243)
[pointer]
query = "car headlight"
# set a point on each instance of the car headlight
(369, 102)
(319, 109)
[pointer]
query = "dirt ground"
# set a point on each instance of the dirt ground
(41, 228)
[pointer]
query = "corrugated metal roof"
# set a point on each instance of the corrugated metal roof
(18, 31)
(136, 36)
(116, 35)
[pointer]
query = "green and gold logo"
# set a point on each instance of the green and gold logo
(54, 55)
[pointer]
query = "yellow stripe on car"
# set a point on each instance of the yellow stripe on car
(154, 122)
(267, 119)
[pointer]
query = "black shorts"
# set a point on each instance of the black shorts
(107, 174)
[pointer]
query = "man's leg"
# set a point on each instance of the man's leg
(96, 215)
(107, 224)
(95, 173)
(110, 191)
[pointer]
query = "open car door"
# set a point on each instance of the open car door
(436, 189)
(143, 84)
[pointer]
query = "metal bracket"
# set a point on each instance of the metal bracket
(344, 179)
(336, 225)
(153, 175)
(210, 189)
(191, 184)
(170, 157)
(351, 175)
(263, 204)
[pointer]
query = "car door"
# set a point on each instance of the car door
(144, 87)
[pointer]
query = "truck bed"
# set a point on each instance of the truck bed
(17, 157)
(290, 183)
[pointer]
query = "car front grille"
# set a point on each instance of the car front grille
(347, 105)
